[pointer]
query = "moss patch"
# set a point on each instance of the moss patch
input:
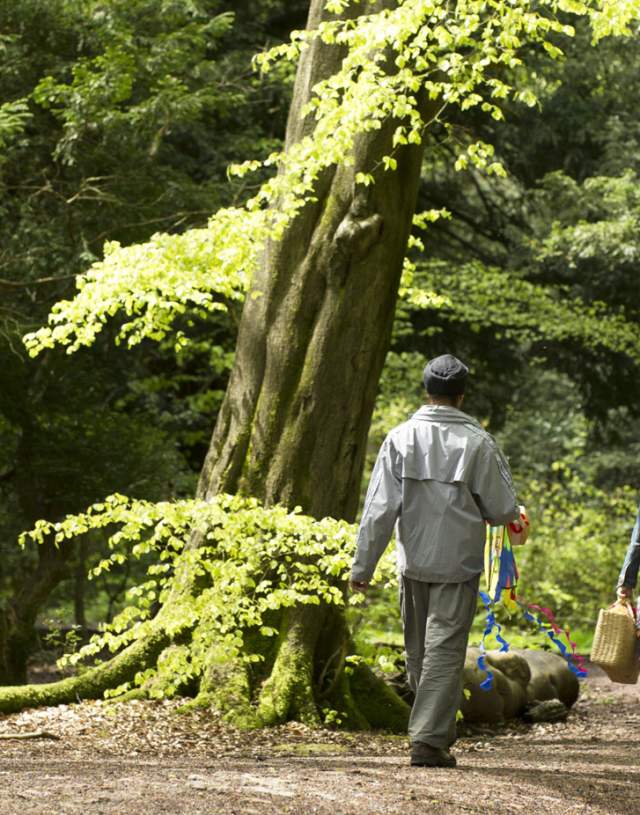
(377, 702)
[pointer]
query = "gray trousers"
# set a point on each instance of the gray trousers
(437, 618)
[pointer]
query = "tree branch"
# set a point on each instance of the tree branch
(19, 284)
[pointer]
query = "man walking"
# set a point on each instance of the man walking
(437, 479)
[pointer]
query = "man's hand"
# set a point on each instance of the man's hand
(359, 586)
(624, 593)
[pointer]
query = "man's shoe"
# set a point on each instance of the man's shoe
(424, 755)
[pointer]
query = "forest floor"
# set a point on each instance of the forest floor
(142, 758)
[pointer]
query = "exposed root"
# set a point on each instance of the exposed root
(133, 695)
(225, 687)
(90, 684)
(379, 704)
(349, 715)
(307, 678)
(288, 692)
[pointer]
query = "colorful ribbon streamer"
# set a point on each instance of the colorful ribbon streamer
(574, 661)
(502, 575)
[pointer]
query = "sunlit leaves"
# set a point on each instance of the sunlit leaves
(252, 560)
(615, 17)
(152, 283)
(576, 550)
(454, 52)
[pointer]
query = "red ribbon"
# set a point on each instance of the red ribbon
(559, 632)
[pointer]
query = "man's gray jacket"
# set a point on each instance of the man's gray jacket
(439, 477)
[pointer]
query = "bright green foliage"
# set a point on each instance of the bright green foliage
(90, 153)
(456, 54)
(154, 78)
(580, 532)
(172, 272)
(575, 555)
(614, 17)
(581, 527)
(252, 562)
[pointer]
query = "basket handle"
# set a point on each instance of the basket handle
(622, 601)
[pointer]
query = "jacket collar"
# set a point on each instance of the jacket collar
(444, 413)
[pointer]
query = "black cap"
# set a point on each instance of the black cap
(445, 376)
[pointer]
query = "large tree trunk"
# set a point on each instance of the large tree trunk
(315, 331)
(312, 342)
(293, 427)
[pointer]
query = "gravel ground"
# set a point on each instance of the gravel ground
(142, 758)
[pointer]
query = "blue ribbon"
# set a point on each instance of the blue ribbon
(491, 625)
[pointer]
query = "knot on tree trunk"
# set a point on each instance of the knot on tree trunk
(356, 234)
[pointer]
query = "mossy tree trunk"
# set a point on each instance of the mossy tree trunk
(313, 339)
(294, 423)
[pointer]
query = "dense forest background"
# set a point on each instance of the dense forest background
(119, 119)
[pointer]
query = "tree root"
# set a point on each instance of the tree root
(90, 684)
(288, 692)
(349, 715)
(307, 679)
(226, 688)
(377, 702)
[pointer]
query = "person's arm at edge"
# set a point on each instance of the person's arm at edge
(381, 509)
(629, 573)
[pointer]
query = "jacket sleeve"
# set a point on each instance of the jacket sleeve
(493, 488)
(381, 509)
(629, 574)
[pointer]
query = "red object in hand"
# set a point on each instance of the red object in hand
(518, 531)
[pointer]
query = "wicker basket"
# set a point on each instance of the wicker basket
(615, 645)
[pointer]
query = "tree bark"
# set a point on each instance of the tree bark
(313, 337)
(316, 327)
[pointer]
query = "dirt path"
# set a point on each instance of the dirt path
(140, 759)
